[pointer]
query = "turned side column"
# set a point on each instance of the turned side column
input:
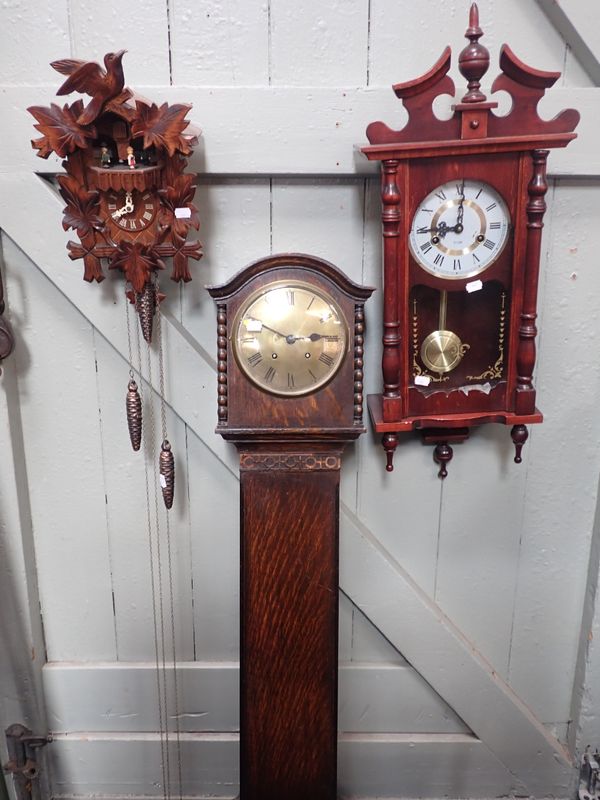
(526, 351)
(391, 361)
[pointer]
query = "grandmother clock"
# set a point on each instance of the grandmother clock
(463, 207)
(290, 361)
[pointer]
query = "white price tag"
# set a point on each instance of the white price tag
(183, 213)
(253, 325)
(163, 481)
(422, 380)
(474, 286)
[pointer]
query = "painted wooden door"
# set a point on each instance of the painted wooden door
(464, 605)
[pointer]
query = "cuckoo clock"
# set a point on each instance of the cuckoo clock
(126, 190)
(128, 198)
(290, 366)
(463, 207)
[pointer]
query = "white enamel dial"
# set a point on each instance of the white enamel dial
(459, 229)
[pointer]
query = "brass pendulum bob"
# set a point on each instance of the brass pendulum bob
(167, 473)
(145, 304)
(133, 404)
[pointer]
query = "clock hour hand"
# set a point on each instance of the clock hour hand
(440, 230)
(126, 209)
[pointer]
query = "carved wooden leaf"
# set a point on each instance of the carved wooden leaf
(61, 132)
(181, 270)
(137, 261)
(162, 126)
(92, 264)
(80, 213)
(180, 195)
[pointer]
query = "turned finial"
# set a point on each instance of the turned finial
(474, 60)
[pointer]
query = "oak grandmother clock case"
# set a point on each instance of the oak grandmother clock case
(463, 207)
(290, 366)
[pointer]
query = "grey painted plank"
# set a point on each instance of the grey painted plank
(480, 538)
(220, 42)
(105, 697)
(115, 25)
(450, 765)
(579, 29)
(125, 474)
(266, 140)
(455, 766)
(112, 765)
(33, 34)
(563, 461)
(451, 663)
(59, 400)
(214, 555)
(404, 46)
(335, 35)
(22, 653)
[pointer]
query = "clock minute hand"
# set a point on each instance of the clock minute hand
(288, 337)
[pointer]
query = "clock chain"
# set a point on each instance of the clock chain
(133, 401)
(158, 551)
(165, 444)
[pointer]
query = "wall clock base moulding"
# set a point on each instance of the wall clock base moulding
(445, 430)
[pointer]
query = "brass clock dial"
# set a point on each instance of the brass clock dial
(131, 211)
(289, 339)
(459, 229)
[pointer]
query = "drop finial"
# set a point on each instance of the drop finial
(474, 60)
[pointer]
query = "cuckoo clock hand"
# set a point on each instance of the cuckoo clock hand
(126, 209)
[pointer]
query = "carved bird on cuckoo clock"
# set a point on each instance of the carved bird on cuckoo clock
(88, 77)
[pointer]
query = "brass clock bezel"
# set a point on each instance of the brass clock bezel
(326, 298)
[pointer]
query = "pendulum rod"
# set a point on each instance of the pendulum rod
(163, 418)
(162, 698)
(443, 309)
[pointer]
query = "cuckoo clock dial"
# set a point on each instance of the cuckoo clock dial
(130, 212)
(463, 207)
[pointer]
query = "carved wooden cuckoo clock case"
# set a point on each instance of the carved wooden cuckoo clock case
(126, 190)
(463, 204)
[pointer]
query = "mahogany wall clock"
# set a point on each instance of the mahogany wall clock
(290, 366)
(463, 207)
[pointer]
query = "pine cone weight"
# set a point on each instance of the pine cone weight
(167, 473)
(133, 405)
